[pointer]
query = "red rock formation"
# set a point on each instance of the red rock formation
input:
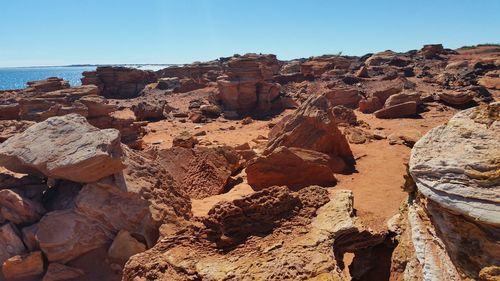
(312, 126)
(247, 85)
(47, 85)
(307, 167)
(118, 82)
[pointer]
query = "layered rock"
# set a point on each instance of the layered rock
(307, 167)
(48, 85)
(247, 86)
(319, 65)
(118, 82)
(453, 226)
(312, 126)
(65, 147)
(348, 97)
(10, 242)
(17, 209)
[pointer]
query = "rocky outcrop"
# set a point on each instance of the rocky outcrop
(253, 214)
(60, 272)
(118, 82)
(198, 71)
(297, 249)
(348, 97)
(463, 177)
(317, 66)
(48, 85)
(9, 128)
(307, 167)
(453, 224)
(406, 109)
(247, 86)
(312, 126)
(65, 147)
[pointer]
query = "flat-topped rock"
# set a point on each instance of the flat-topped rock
(65, 147)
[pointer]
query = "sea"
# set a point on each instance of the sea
(13, 78)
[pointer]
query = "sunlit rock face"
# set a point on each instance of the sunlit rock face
(456, 169)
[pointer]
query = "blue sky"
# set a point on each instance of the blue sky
(60, 32)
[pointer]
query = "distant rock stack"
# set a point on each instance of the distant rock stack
(247, 84)
(119, 82)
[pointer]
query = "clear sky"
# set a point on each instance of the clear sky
(60, 32)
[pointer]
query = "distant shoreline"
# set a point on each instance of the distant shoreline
(95, 65)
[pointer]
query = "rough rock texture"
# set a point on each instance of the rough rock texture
(118, 82)
(150, 111)
(253, 214)
(65, 147)
(23, 266)
(307, 167)
(247, 85)
(184, 139)
(312, 126)
(297, 249)
(456, 169)
(200, 172)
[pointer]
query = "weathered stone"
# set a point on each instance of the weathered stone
(307, 167)
(65, 235)
(312, 126)
(48, 85)
(124, 246)
(17, 209)
(348, 97)
(10, 243)
(23, 266)
(118, 82)
(200, 172)
(456, 98)
(185, 139)
(406, 109)
(464, 176)
(65, 147)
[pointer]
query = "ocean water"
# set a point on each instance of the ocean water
(12, 78)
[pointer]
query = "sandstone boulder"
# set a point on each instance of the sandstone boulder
(348, 97)
(124, 246)
(23, 266)
(405, 109)
(307, 167)
(456, 98)
(456, 169)
(9, 128)
(17, 209)
(312, 126)
(402, 98)
(65, 147)
(185, 139)
(10, 243)
(65, 235)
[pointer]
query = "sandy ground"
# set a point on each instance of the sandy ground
(380, 166)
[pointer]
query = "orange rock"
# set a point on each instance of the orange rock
(23, 266)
